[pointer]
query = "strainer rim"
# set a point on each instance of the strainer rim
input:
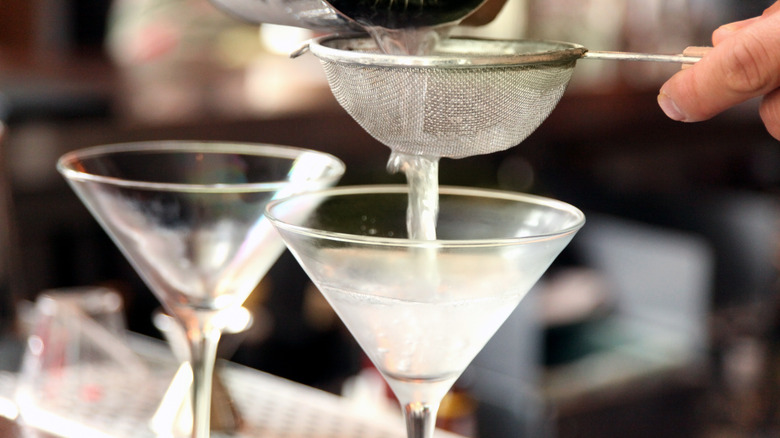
(565, 53)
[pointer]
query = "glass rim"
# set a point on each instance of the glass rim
(576, 213)
(65, 163)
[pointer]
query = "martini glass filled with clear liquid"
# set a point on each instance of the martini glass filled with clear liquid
(189, 218)
(422, 309)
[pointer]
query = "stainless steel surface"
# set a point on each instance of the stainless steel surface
(309, 14)
(649, 57)
(451, 53)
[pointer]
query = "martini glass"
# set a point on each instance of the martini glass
(422, 309)
(189, 218)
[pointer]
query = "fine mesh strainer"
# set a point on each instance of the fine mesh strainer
(470, 97)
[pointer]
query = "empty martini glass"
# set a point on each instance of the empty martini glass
(422, 309)
(189, 218)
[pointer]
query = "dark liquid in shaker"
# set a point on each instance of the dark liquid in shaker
(404, 14)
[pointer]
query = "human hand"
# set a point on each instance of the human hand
(744, 63)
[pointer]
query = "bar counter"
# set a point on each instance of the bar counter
(129, 406)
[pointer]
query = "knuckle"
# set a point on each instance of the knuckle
(749, 68)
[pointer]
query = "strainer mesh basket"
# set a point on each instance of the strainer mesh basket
(452, 105)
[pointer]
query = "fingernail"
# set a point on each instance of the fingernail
(670, 108)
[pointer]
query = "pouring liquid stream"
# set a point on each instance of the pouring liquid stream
(410, 41)
(422, 178)
(422, 172)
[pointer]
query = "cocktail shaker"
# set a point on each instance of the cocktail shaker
(309, 14)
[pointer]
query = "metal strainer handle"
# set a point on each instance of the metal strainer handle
(690, 55)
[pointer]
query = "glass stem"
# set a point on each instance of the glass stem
(420, 419)
(203, 341)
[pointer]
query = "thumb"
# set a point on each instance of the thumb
(742, 66)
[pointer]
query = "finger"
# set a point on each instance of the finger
(741, 67)
(770, 113)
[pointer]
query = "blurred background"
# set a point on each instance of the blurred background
(661, 319)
